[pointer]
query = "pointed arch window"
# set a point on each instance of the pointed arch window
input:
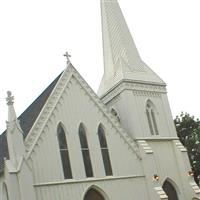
(85, 151)
(150, 112)
(170, 190)
(64, 152)
(93, 194)
(104, 151)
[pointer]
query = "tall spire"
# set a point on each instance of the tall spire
(14, 133)
(121, 58)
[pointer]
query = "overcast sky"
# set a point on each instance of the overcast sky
(34, 35)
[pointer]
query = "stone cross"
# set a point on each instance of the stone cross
(10, 98)
(67, 56)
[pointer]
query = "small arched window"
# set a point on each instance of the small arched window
(104, 151)
(114, 113)
(150, 112)
(85, 151)
(64, 152)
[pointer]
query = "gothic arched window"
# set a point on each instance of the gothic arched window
(150, 112)
(104, 151)
(85, 151)
(170, 190)
(93, 194)
(64, 153)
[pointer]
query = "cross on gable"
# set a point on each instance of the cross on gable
(67, 56)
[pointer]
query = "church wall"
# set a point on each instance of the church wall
(129, 189)
(168, 115)
(74, 107)
(12, 184)
(131, 106)
(166, 159)
(167, 167)
(25, 181)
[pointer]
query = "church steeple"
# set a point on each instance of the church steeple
(121, 58)
(14, 133)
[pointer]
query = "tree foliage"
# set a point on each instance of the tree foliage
(188, 130)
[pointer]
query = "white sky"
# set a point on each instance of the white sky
(34, 35)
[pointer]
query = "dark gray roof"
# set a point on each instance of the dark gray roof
(27, 119)
(3, 150)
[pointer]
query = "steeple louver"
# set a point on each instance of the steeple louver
(121, 58)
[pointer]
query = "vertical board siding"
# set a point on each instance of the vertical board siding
(128, 189)
(74, 107)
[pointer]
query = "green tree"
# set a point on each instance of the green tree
(188, 130)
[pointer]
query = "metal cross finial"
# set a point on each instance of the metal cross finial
(67, 56)
(10, 98)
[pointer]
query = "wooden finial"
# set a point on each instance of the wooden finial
(10, 98)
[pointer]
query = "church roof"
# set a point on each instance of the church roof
(27, 119)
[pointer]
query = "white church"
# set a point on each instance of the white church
(119, 144)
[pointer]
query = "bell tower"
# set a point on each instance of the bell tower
(129, 86)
